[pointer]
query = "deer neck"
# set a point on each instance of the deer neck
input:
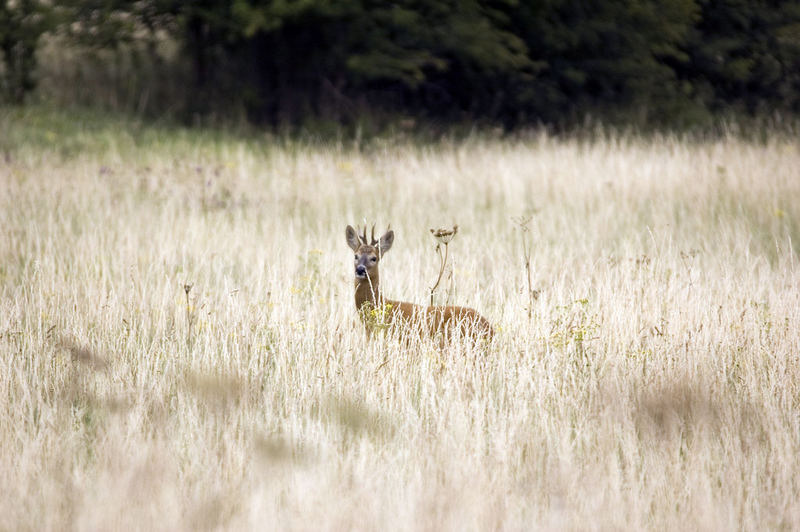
(368, 291)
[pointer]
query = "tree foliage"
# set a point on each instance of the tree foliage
(503, 61)
(22, 24)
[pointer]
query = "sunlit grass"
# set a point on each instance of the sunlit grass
(655, 384)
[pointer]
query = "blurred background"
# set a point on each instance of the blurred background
(331, 64)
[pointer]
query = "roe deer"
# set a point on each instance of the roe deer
(424, 319)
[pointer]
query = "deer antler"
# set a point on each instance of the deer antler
(363, 237)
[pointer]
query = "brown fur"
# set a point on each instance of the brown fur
(428, 320)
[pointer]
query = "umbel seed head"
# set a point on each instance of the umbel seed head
(444, 236)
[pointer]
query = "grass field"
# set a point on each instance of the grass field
(654, 383)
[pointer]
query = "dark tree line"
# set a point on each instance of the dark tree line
(510, 62)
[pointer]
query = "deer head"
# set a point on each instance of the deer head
(368, 253)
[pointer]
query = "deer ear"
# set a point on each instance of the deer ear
(352, 238)
(385, 243)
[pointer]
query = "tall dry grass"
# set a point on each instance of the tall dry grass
(655, 385)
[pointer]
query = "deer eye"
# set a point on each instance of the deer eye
(356, 257)
(374, 259)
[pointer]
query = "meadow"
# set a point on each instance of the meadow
(180, 349)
